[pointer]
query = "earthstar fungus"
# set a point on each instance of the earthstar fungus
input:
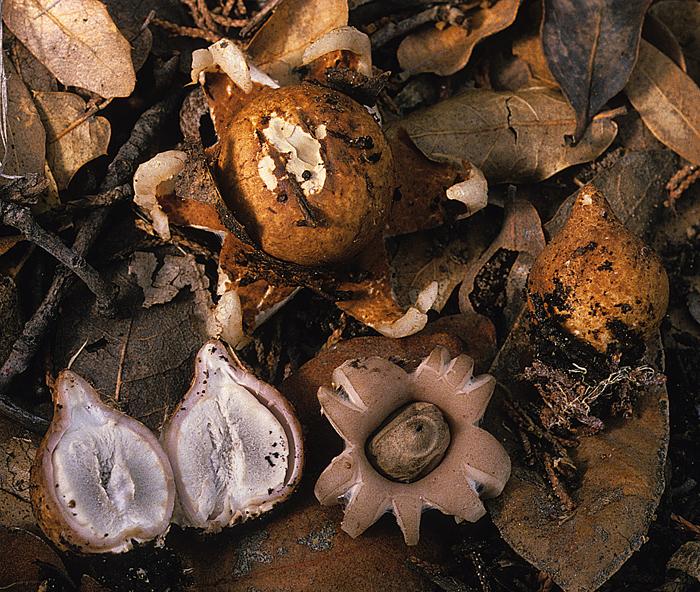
(364, 394)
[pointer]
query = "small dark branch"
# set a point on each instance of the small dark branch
(101, 200)
(680, 182)
(182, 31)
(119, 172)
(21, 218)
(392, 30)
(22, 417)
(227, 21)
(568, 504)
(257, 21)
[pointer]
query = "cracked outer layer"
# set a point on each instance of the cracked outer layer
(100, 481)
(308, 172)
(364, 393)
(234, 443)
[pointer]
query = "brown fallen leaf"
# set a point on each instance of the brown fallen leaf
(67, 151)
(660, 36)
(25, 150)
(529, 48)
(130, 16)
(17, 451)
(278, 46)
(77, 41)
(33, 72)
(618, 494)
(634, 187)
(667, 100)
(520, 241)
(147, 354)
(511, 136)
(591, 48)
(441, 255)
(34, 565)
(446, 51)
(682, 17)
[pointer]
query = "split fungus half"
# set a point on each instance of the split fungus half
(597, 280)
(234, 443)
(100, 481)
(412, 442)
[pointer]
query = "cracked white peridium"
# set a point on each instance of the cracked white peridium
(300, 151)
(230, 450)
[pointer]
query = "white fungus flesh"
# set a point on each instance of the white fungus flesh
(102, 478)
(231, 445)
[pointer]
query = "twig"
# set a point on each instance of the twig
(119, 172)
(22, 219)
(82, 118)
(680, 182)
(686, 524)
(392, 30)
(228, 22)
(122, 359)
(186, 31)
(257, 21)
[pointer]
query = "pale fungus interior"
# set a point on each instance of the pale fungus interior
(110, 480)
(302, 153)
(229, 451)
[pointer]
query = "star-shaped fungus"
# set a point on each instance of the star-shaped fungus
(412, 442)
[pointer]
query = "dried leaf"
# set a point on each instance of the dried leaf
(25, 151)
(32, 563)
(682, 17)
(32, 71)
(130, 16)
(278, 46)
(620, 488)
(529, 48)
(521, 233)
(67, 151)
(148, 353)
(634, 187)
(511, 137)
(441, 256)
(660, 36)
(446, 51)
(591, 48)
(77, 41)
(667, 100)
(176, 273)
(17, 451)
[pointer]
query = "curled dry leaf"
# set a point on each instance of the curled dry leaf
(667, 100)
(591, 48)
(660, 36)
(130, 16)
(32, 71)
(67, 151)
(618, 493)
(446, 51)
(25, 151)
(634, 187)
(511, 137)
(17, 451)
(426, 257)
(682, 17)
(77, 41)
(277, 48)
(520, 241)
(32, 563)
